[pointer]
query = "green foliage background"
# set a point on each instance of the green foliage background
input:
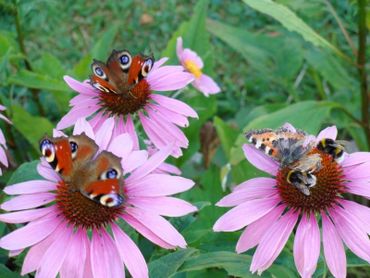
(276, 62)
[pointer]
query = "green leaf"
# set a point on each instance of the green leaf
(33, 128)
(226, 134)
(306, 115)
(234, 264)
(49, 65)
(27, 171)
(7, 273)
(292, 22)
(168, 265)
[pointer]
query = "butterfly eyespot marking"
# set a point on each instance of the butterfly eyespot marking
(47, 150)
(148, 64)
(125, 60)
(74, 148)
(110, 174)
(99, 72)
(111, 200)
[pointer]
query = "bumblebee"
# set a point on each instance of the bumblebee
(333, 148)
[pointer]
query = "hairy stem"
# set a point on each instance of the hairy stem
(361, 64)
(22, 47)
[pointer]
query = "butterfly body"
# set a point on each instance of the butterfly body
(96, 176)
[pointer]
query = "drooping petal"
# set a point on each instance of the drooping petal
(130, 254)
(130, 128)
(175, 105)
(356, 158)
(146, 231)
(307, 245)
(74, 114)
(272, 242)
(172, 116)
(80, 87)
(45, 170)
(255, 182)
(165, 206)
(260, 160)
(105, 259)
(179, 48)
(53, 258)
(255, 231)
(121, 145)
(335, 255)
(329, 132)
(154, 185)
(168, 78)
(359, 187)
(159, 226)
(289, 127)
(104, 134)
(28, 201)
(83, 126)
(352, 233)
(3, 157)
(206, 85)
(245, 214)
(24, 216)
(30, 187)
(30, 234)
(362, 213)
(167, 168)
(192, 56)
(159, 63)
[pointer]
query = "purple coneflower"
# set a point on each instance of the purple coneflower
(271, 208)
(69, 234)
(3, 158)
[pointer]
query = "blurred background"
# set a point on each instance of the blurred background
(276, 62)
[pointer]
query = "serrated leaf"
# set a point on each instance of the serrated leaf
(291, 21)
(168, 265)
(33, 128)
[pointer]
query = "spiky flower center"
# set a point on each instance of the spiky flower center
(80, 211)
(193, 68)
(124, 104)
(329, 185)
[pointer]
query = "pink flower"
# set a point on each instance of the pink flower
(194, 64)
(60, 243)
(3, 158)
(160, 116)
(271, 208)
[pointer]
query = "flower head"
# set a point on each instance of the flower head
(3, 158)
(74, 236)
(160, 116)
(271, 208)
(194, 64)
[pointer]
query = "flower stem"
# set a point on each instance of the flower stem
(361, 64)
(22, 47)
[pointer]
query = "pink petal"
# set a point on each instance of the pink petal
(165, 206)
(255, 182)
(28, 201)
(130, 254)
(168, 78)
(45, 170)
(166, 168)
(121, 145)
(272, 242)
(335, 256)
(359, 187)
(83, 126)
(159, 226)
(152, 163)
(30, 234)
(130, 128)
(260, 160)
(97, 120)
(105, 258)
(352, 233)
(146, 231)
(104, 134)
(190, 55)
(83, 99)
(58, 133)
(76, 256)
(2, 138)
(29, 187)
(251, 192)
(179, 49)
(25, 215)
(3, 158)
(362, 213)
(14, 253)
(80, 87)
(87, 269)
(53, 258)
(74, 114)
(154, 185)
(307, 245)
(174, 105)
(255, 231)
(134, 160)
(160, 62)
(172, 116)
(359, 171)
(356, 158)
(329, 132)
(206, 85)
(289, 127)
(245, 214)
(5, 119)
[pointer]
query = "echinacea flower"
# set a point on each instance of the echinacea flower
(271, 208)
(69, 234)
(194, 64)
(161, 116)
(3, 158)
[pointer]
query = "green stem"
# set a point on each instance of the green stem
(22, 47)
(361, 64)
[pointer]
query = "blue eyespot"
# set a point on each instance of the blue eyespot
(124, 59)
(46, 143)
(74, 148)
(112, 174)
(99, 71)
